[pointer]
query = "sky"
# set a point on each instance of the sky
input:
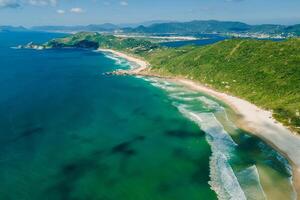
(82, 12)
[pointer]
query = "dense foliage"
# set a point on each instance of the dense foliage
(266, 73)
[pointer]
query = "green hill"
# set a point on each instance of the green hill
(265, 73)
(96, 40)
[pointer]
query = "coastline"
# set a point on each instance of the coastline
(249, 116)
(142, 65)
(260, 123)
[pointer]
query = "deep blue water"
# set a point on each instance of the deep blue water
(69, 132)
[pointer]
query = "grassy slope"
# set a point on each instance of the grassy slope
(264, 72)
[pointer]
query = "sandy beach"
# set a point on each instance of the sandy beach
(261, 123)
(249, 117)
(142, 65)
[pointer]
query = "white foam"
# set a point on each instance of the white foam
(222, 177)
(164, 87)
(223, 180)
(119, 61)
(216, 135)
(250, 182)
(227, 119)
(16, 47)
(179, 97)
(210, 104)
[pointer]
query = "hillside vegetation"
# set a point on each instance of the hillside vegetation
(266, 73)
(96, 40)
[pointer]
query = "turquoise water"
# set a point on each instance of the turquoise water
(69, 132)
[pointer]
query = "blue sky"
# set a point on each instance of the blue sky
(75, 12)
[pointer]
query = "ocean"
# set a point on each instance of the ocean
(67, 131)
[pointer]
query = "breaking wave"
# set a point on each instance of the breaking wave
(239, 184)
(201, 109)
(223, 180)
(250, 182)
(119, 61)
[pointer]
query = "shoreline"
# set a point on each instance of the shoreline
(250, 117)
(260, 123)
(142, 65)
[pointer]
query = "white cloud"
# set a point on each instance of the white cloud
(42, 2)
(9, 4)
(60, 11)
(76, 10)
(124, 3)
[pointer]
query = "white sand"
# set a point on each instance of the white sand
(250, 118)
(261, 123)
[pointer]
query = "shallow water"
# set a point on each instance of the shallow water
(69, 132)
(241, 166)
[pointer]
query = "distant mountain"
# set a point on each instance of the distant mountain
(107, 27)
(213, 26)
(192, 27)
(91, 27)
(12, 28)
(146, 23)
(293, 29)
(267, 28)
(179, 28)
